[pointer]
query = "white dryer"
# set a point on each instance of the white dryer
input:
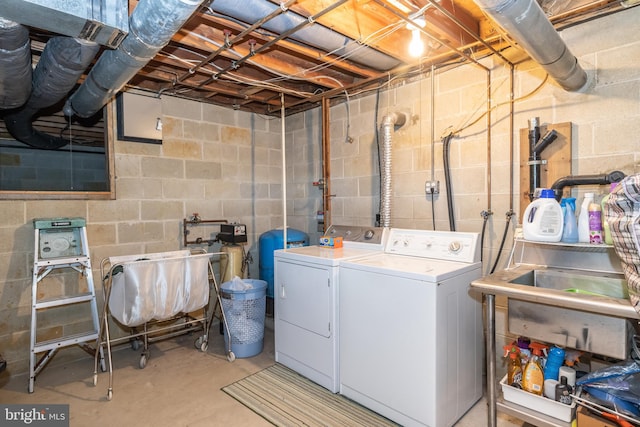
(411, 343)
(306, 302)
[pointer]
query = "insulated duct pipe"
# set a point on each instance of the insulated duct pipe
(526, 23)
(250, 11)
(63, 61)
(15, 64)
(151, 26)
(389, 122)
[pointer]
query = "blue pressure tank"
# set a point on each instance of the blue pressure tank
(271, 241)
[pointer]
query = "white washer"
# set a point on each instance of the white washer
(411, 343)
(306, 302)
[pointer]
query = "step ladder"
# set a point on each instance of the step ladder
(60, 243)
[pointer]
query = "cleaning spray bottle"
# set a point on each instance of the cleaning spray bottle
(533, 374)
(514, 368)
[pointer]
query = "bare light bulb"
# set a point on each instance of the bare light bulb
(416, 47)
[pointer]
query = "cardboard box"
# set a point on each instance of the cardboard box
(586, 418)
(333, 242)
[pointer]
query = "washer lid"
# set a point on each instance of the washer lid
(417, 268)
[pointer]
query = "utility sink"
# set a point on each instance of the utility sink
(563, 325)
(578, 282)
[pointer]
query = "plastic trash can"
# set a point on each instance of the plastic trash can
(245, 311)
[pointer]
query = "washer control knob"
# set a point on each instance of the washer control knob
(368, 235)
(455, 247)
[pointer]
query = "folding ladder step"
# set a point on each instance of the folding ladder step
(63, 262)
(60, 243)
(65, 341)
(64, 300)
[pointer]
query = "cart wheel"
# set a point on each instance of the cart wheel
(95, 380)
(135, 344)
(143, 361)
(198, 343)
(204, 347)
(231, 357)
(109, 395)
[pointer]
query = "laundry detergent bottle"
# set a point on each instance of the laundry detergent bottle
(543, 219)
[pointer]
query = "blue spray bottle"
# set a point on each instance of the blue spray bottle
(570, 227)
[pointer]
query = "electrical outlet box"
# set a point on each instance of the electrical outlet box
(432, 187)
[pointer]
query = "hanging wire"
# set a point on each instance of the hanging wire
(71, 178)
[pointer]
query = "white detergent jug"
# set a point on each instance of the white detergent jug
(543, 219)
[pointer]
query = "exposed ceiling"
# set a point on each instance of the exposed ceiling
(257, 67)
(226, 54)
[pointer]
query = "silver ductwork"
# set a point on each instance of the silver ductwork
(316, 35)
(100, 21)
(151, 26)
(525, 22)
(15, 64)
(61, 64)
(389, 123)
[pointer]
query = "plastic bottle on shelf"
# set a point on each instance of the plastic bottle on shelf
(570, 226)
(514, 367)
(564, 391)
(583, 218)
(533, 374)
(554, 361)
(543, 220)
(595, 224)
(606, 231)
(523, 349)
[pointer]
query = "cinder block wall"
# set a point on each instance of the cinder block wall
(605, 118)
(226, 164)
(220, 163)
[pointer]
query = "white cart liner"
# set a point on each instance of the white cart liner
(157, 286)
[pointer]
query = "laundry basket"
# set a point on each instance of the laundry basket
(244, 310)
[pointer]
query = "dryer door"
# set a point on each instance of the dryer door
(303, 296)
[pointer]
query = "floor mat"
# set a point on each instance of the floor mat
(286, 398)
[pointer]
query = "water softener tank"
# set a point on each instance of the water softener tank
(231, 262)
(271, 241)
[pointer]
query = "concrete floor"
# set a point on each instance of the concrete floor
(180, 386)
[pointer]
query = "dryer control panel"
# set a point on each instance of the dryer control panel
(444, 245)
(357, 236)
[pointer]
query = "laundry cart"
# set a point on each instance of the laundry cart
(157, 296)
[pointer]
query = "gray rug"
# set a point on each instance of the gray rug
(285, 398)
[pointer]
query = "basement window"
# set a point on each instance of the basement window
(82, 169)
